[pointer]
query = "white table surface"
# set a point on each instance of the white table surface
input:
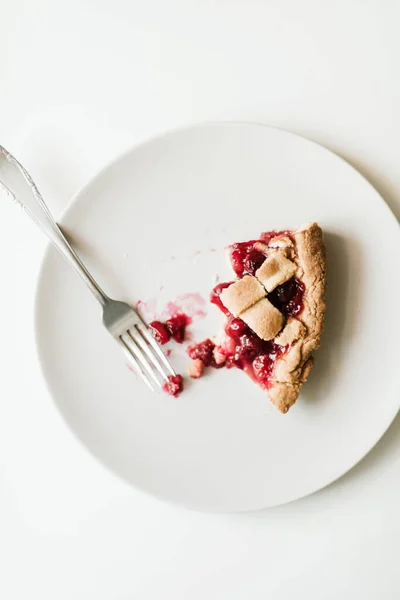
(81, 81)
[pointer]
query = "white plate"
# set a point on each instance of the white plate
(152, 220)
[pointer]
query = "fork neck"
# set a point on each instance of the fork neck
(70, 255)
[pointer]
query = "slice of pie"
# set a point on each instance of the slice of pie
(274, 311)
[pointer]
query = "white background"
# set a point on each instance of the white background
(81, 81)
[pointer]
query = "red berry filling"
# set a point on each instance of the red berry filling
(245, 258)
(204, 351)
(256, 357)
(235, 327)
(288, 297)
(263, 366)
(245, 351)
(177, 326)
(174, 385)
(215, 296)
(160, 332)
(253, 261)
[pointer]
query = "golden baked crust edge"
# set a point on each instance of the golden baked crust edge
(292, 369)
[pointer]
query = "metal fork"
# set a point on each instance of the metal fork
(124, 324)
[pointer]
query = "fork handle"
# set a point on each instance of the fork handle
(29, 198)
(54, 232)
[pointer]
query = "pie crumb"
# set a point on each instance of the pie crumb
(196, 368)
(219, 356)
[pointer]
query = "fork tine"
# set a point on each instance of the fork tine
(136, 367)
(144, 332)
(149, 352)
(130, 343)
